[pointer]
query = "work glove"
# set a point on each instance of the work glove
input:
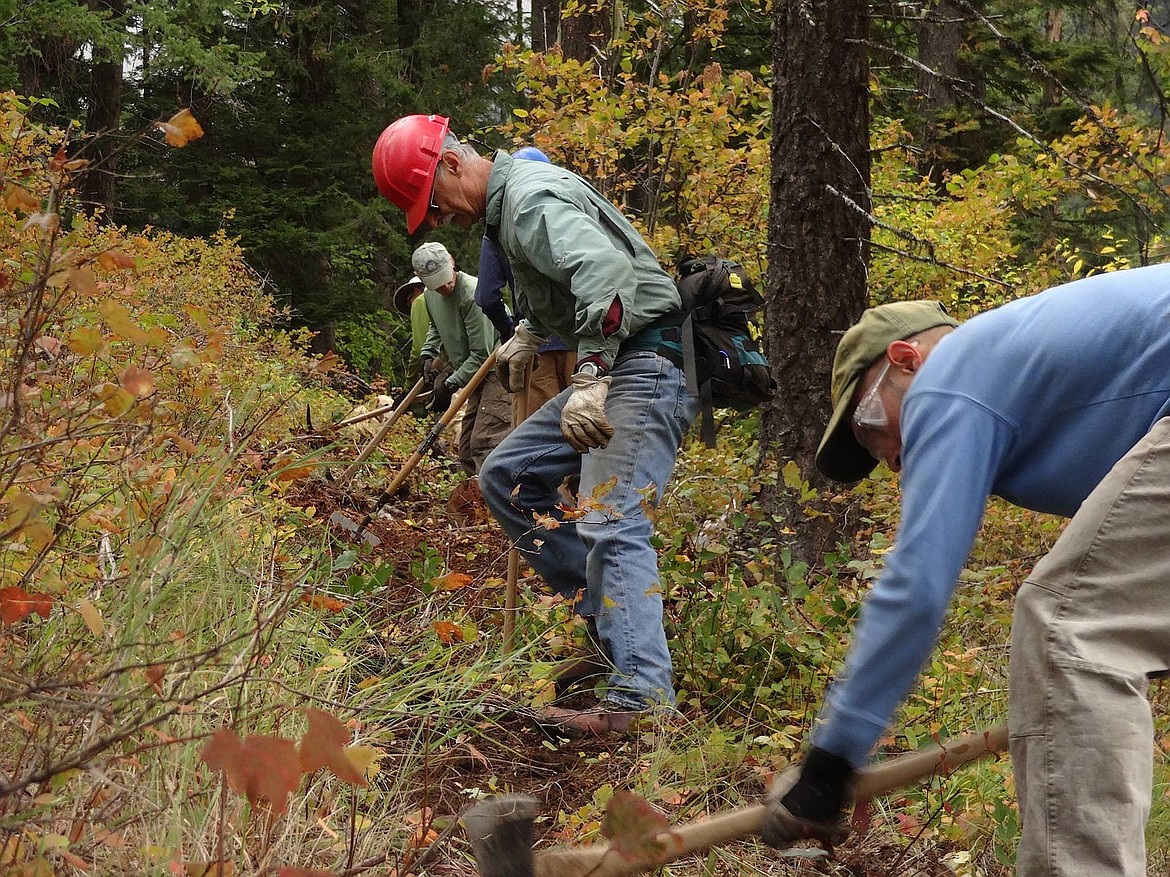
(428, 369)
(583, 420)
(513, 357)
(442, 391)
(809, 802)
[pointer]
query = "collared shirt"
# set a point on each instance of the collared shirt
(460, 329)
(573, 255)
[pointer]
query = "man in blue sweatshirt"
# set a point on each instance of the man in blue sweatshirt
(1057, 402)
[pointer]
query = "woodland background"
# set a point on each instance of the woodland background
(199, 676)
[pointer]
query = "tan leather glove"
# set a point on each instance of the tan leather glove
(808, 802)
(583, 419)
(514, 356)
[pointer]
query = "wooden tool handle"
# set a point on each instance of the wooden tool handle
(873, 780)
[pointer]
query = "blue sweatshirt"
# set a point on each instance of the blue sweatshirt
(1033, 402)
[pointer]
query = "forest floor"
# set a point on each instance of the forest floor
(505, 748)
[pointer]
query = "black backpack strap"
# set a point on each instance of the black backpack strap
(690, 369)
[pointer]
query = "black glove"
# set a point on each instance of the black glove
(428, 369)
(442, 392)
(812, 807)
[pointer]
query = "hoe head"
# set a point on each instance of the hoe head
(359, 530)
(501, 834)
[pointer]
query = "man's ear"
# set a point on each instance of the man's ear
(905, 355)
(452, 160)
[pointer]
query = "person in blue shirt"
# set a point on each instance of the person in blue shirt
(552, 370)
(1057, 402)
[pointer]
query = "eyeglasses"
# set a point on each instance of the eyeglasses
(432, 207)
(870, 412)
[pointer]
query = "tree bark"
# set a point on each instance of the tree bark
(818, 237)
(98, 183)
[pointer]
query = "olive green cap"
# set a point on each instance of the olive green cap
(840, 456)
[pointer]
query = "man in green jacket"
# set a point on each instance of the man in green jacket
(466, 337)
(412, 304)
(586, 275)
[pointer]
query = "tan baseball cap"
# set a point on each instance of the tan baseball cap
(432, 264)
(840, 456)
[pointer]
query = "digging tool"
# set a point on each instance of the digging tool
(511, 591)
(501, 829)
(395, 413)
(341, 520)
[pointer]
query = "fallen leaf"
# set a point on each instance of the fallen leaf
(452, 581)
(137, 381)
(448, 632)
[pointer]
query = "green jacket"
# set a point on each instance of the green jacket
(460, 329)
(420, 326)
(573, 253)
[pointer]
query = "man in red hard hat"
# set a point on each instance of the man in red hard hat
(585, 274)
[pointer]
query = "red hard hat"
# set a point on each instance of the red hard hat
(405, 158)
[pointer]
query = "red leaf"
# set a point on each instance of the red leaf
(260, 767)
(324, 746)
(636, 831)
(448, 632)
(16, 604)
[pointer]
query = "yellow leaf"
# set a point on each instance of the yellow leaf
(364, 759)
(116, 400)
(120, 321)
(92, 617)
(198, 316)
(137, 381)
(85, 340)
(181, 128)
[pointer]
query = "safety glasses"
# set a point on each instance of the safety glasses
(870, 412)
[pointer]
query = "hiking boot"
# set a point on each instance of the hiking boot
(604, 720)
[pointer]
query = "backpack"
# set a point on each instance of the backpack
(713, 342)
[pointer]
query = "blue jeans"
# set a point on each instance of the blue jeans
(606, 554)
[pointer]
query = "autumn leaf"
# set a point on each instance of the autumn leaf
(322, 601)
(16, 604)
(18, 198)
(452, 581)
(85, 340)
(636, 831)
(208, 869)
(329, 362)
(260, 767)
(83, 280)
(137, 381)
(324, 744)
(448, 632)
(119, 319)
(113, 260)
(181, 128)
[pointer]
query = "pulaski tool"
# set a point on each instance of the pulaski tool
(501, 829)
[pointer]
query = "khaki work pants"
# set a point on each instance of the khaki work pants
(487, 418)
(552, 371)
(1091, 624)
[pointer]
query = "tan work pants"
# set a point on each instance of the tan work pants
(487, 418)
(1091, 624)
(552, 371)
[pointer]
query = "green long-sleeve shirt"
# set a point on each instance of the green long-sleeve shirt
(573, 253)
(460, 329)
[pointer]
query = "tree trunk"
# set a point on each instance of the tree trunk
(545, 24)
(102, 121)
(818, 236)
